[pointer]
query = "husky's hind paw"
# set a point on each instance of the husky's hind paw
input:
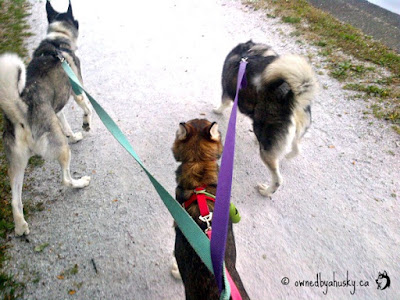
(78, 183)
(86, 126)
(22, 228)
(218, 110)
(83, 182)
(175, 271)
(265, 190)
(87, 120)
(295, 151)
(291, 155)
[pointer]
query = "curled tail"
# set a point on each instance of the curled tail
(12, 83)
(297, 72)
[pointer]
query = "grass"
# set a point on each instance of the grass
(13, 31)
(350, 55)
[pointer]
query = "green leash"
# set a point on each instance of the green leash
(195, 236)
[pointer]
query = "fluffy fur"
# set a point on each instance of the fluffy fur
(32, 101)
(198, 146)
(277, 98)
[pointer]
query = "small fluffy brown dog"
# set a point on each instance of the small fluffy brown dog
(198, 146)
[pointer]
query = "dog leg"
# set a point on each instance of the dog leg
(72, 137)
(273, 165)
(16, 173)
(225, 103)
(175, 270)
(84, 103)
(295, 149)
(64, 159)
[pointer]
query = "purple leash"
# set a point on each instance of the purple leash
(223, 195)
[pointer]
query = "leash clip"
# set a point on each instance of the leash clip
(60, 56)
(207, 219)
(244, 59)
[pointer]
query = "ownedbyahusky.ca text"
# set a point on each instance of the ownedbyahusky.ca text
(326, 283)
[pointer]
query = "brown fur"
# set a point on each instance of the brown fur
(198, 146)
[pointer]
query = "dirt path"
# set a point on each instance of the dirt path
(153, 65)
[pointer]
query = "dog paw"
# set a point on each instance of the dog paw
(87, 120)
(86, 126)
(21, 229)
(291, 155)
(81, 183)
(265, 190)
(218, 111)
(295, 151)
(76, 137)
(175, 271)
(85, 180)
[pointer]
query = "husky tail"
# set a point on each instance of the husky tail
(12, 83)
(297, 72)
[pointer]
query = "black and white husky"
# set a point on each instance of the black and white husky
(277, 98)
(33, 100)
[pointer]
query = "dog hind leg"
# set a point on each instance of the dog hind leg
(295, 149)
(272, 162)
(226, 102)
(175, 270)
(16, 172)
(73, 137)
(64, 159)
(84, 103)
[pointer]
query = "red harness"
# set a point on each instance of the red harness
(201, 196)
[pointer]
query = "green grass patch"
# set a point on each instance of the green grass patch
(371, 90)
(36, 161)
(338, 42)
(291, 20)
(13, 31)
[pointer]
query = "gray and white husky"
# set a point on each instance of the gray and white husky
(33, 100)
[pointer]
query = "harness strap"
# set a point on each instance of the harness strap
(201, 196)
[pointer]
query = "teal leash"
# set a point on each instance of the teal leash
(195, 236)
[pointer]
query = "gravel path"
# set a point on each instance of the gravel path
(152, 65)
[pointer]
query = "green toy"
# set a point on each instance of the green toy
(234, 213)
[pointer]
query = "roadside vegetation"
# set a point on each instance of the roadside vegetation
(362, 64)
(13, 31)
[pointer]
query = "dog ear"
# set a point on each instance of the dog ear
(384, 273)
(69, 11)
(213, 132)
(51, 13)
(182, 132)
